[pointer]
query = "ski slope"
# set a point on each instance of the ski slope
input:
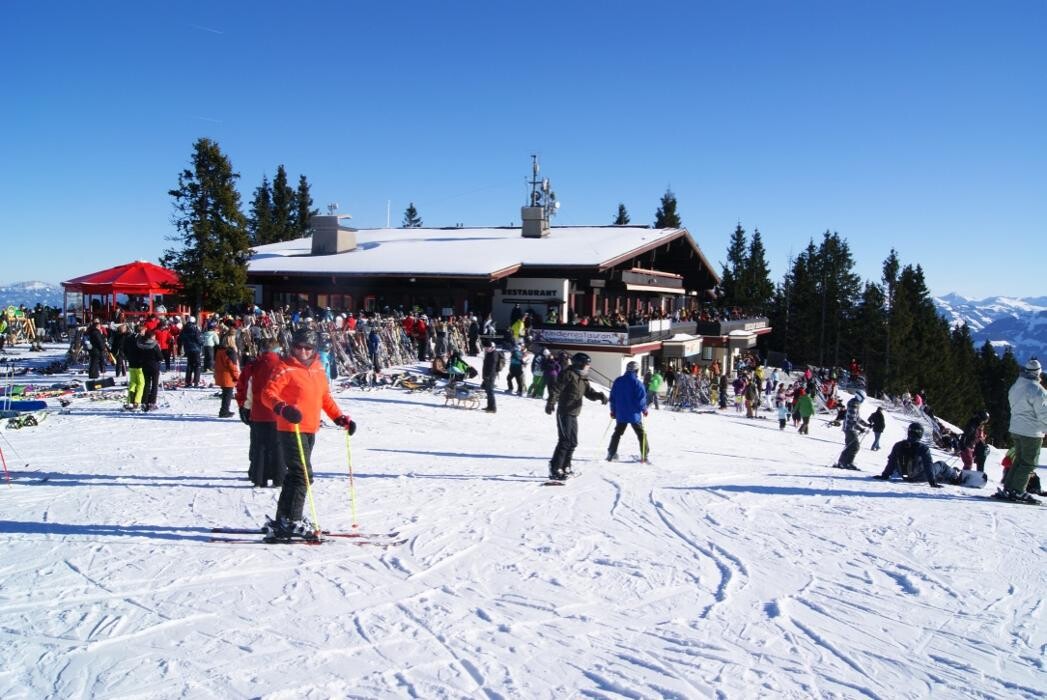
(735, 566)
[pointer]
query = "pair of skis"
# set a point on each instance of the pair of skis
(379, 540)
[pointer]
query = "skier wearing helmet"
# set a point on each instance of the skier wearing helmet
(852, 431)
(911, 460)
(296, 392)
(566, 399)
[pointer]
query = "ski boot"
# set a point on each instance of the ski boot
(612, 457)
(284, 529)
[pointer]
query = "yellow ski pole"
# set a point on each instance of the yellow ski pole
(352, 488)
(307, 473)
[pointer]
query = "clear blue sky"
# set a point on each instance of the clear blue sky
(917, 125)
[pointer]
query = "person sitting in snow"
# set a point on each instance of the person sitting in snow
(911, 459)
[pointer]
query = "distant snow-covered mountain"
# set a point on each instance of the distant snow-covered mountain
(30, 294)
(1020, 323)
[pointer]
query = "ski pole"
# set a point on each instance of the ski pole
(308, 480)
(607, 428)
(7, 474)
(352, 487)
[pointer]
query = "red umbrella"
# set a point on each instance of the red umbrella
(139, 277)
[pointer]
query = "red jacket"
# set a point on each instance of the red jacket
(163, 338)
(258, 373)
(304, 387)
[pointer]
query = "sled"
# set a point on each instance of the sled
(461, 397)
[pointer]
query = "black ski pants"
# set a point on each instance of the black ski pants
(567, 434)
(294, 491)
(96, 364)
(151, 374)
(192, 367)
(619, 430)
(266, 459)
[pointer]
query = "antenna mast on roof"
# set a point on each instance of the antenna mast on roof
(541, 205)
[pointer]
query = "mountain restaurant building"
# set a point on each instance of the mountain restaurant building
(568, 278)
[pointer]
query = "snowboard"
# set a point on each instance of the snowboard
(972, 479)
(96, 384)
(561, 482)
(24, 405)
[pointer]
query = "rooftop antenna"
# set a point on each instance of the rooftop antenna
(541, 204)
(332, 208)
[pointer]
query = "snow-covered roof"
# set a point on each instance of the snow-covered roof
(464, 252)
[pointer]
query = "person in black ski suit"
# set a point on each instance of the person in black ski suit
(191, 343)
(116, 349)
(852, 432)
(911, 459)
(878, 423)
(98, 350)
(474, 335)
(150, 357)
(489, 374)
(566, 399)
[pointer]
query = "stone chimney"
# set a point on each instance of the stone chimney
(329, 237)
(535, 223)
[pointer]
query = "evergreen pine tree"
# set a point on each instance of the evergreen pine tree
(212, 231)
(733, 272)
(283, 207)
(838, 288)
(303, 208)
(623, 216)
(869, 341)
(758, 286)
(890, 280)
(411, 218)
(666, 216)
(962, 395)
(260, 221)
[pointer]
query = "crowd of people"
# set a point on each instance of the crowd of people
(246, 354)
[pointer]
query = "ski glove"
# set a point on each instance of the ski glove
(549, 408)
(288, 413)
(603, 399)
(344, 422)
(245, 415)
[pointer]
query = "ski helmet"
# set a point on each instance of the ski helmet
(632, 367)
(915, 432)
(860, 395)
(304, 336)
(580, 360)
(983, 417)
(1032, 369)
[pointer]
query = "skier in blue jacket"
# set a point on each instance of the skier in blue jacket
(628, 407)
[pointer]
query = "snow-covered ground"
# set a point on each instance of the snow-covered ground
(736, 566)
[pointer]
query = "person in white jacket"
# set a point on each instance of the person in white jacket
(1028, 401)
